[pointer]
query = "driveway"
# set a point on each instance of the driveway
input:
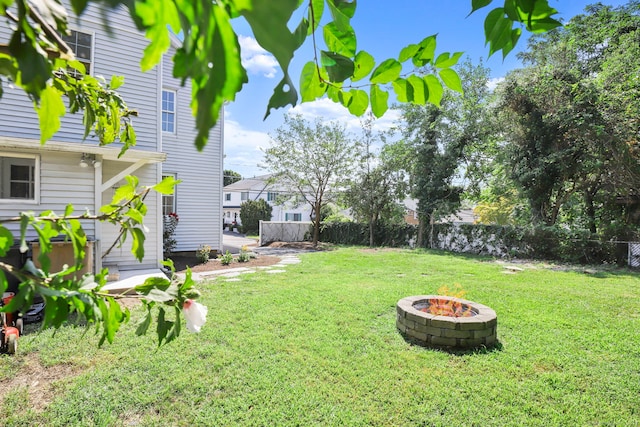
(232, 242)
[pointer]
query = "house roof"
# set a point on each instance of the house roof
(255, 183)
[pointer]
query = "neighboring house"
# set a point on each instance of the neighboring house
(463, 216)
(68, 169)
(293, 209)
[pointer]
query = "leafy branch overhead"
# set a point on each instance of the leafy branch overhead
(209, 57)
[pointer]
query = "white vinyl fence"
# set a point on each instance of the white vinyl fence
(283, 231)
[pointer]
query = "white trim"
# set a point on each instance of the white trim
(107, 153)
(120, 175)
(36, 177)
(174, 112)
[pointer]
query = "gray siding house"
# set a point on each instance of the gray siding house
(68, 169)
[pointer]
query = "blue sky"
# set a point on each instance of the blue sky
(382, 31)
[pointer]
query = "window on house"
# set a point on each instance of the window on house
(227, 197)
(293, 217)
(169, 200)
(272, 196)
(81, 45)
(18, 177)
(244, 196)
(169, 111)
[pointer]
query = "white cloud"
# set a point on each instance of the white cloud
(328, 110)
(255, 59)
(492, 83)
(242, 148)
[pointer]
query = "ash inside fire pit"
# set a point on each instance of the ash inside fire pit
(446, 322)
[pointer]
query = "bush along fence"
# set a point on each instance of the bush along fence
(548, 243)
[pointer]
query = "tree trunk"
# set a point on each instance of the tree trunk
(316, 225)
(431, 228)
(590, 211)
(420, 231)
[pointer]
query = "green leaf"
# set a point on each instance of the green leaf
(135, 215)
(342, 11)
(315, 15)
(167, 185)
(363, 65)
(420, 91)
(436, 91)
(386, 72)
(6, 240)
(339, 67)
(427, 51)
(144, 323)
(479, 4)
(497, 30)
(451, 79)
(163, 326)
(339, 41)
(445, 60)
(154, 16)
(379, 101)
(403, 90)
(50, 109)
(137, 244)
(408, 52)
(116, 82)
(311, 87)
(153, 283)
(359, 102)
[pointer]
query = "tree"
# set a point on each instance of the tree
(569, 118)
(36, 59)
(311, 161)
(252, 212)
(230, 177)
(379, 184)
(440, 139)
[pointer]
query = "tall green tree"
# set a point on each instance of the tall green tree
(569, 118)
(444, 143)
(311, 161)
(379, 184)
(229, 177)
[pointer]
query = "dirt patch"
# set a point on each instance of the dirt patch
(307, 246)
(37, 380)
(181, 262)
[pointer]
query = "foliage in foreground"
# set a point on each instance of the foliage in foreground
(65, 292)
(318, 346)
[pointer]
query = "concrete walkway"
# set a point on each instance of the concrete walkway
(232, 242)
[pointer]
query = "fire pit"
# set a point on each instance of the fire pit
(446, 322)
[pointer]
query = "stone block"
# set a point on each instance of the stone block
(452, 333)
(444, 322)
(484, 333)
(442, 341)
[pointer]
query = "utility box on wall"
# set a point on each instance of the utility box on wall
(62, 253)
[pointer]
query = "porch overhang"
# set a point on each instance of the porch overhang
(106, 152)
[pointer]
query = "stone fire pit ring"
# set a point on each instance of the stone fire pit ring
(448, 332)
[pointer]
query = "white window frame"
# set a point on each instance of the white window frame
(272, 196)
(85, 61)
(227, 197)
(244, 196)
(173, 112)
(293, 215)
(5, 177)
(173, 196)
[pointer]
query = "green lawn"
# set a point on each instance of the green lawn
(317, 345)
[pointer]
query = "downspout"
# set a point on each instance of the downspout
(97, 195)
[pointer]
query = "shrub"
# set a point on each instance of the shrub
(226, 259)
(244, 254)
(169, 225)
(203, 253)
(251, 212)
